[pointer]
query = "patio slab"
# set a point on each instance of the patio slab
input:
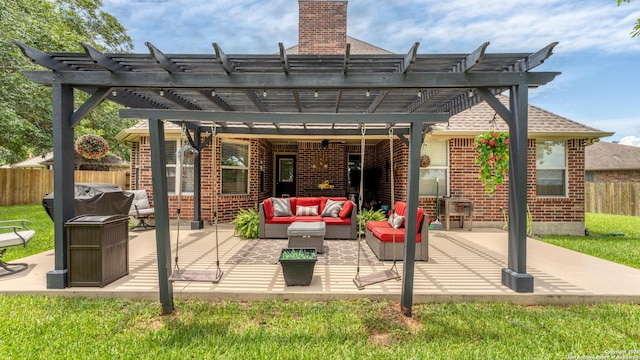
(463, 266)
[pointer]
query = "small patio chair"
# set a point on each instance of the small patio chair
(13, 233)
(141, 210)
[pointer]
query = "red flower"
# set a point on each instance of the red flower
(492, 149)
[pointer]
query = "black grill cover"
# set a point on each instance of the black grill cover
(96, 199)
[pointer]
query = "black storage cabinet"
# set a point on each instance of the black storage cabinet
(97, 249)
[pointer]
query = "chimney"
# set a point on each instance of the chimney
(322, 27)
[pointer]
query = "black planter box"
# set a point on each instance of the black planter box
(298, 271)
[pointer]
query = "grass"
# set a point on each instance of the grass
(38, 221)
(80, 328)
(41, 327)
(620, 249)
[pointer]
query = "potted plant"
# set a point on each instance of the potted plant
(247, 223)
(297, 265)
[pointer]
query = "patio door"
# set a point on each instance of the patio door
(285, 175)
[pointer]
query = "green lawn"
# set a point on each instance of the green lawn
(621, 249)
(38, 221)
(77, 328)
(40, 327)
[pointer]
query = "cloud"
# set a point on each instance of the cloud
(630, 140)
(249, 26)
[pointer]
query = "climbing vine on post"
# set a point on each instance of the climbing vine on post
(493, 159)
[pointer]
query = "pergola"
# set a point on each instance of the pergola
(291, 95)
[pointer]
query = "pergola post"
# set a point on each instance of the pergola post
(413, 178)
(63, 180)
(515, 276)
(161, 205)
(197, 223)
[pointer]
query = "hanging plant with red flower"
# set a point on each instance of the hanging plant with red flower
(493, 159)
(92, 146)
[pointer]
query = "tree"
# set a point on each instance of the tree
(636, 29)
(25, 107)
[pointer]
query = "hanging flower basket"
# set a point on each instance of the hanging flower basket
(425, 161)
(187, 153)
(493, 159)
(92, 146)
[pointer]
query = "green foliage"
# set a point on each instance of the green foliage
(636, 29)
(292, 254)
(25, 107)
(247, 223)
(493, 159)
(44, 327)
(369, 215)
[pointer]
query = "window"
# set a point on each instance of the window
(434, 168)
(551, 168)
(589, 177)
(173, 174)
(235, 167)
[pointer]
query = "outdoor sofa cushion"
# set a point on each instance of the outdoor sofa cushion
(343, 216)
(384, 231)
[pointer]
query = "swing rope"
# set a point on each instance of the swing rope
(194, 275)
(179, 157)
(362, 281)
(363, 130)
(393, 200)
(215, 196)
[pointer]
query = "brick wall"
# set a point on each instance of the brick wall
(322, 27)
(308, 177)
(613, 176)
(464, 182)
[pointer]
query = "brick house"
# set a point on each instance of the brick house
(277, 166)
(611, 162)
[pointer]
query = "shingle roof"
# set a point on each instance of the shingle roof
(479, 118)
(610, 156)
(358, 47)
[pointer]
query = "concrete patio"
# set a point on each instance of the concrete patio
(463, 266)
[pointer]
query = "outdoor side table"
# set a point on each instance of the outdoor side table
(456, 207)
(307, 235)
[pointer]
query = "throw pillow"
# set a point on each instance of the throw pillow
(281, 207)
(306, 211)
(332, 208)
(395, 221)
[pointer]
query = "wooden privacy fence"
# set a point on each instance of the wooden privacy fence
(619, 198)
(29, 186)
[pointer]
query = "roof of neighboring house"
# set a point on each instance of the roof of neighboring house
(34, 162)
(542, 123)
(610, 156)
(44, 160)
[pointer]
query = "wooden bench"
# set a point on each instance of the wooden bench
(13, 233)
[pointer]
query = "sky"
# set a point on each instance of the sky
(598, 59)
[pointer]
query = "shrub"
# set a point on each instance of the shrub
(246, 223)
(369, 215)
